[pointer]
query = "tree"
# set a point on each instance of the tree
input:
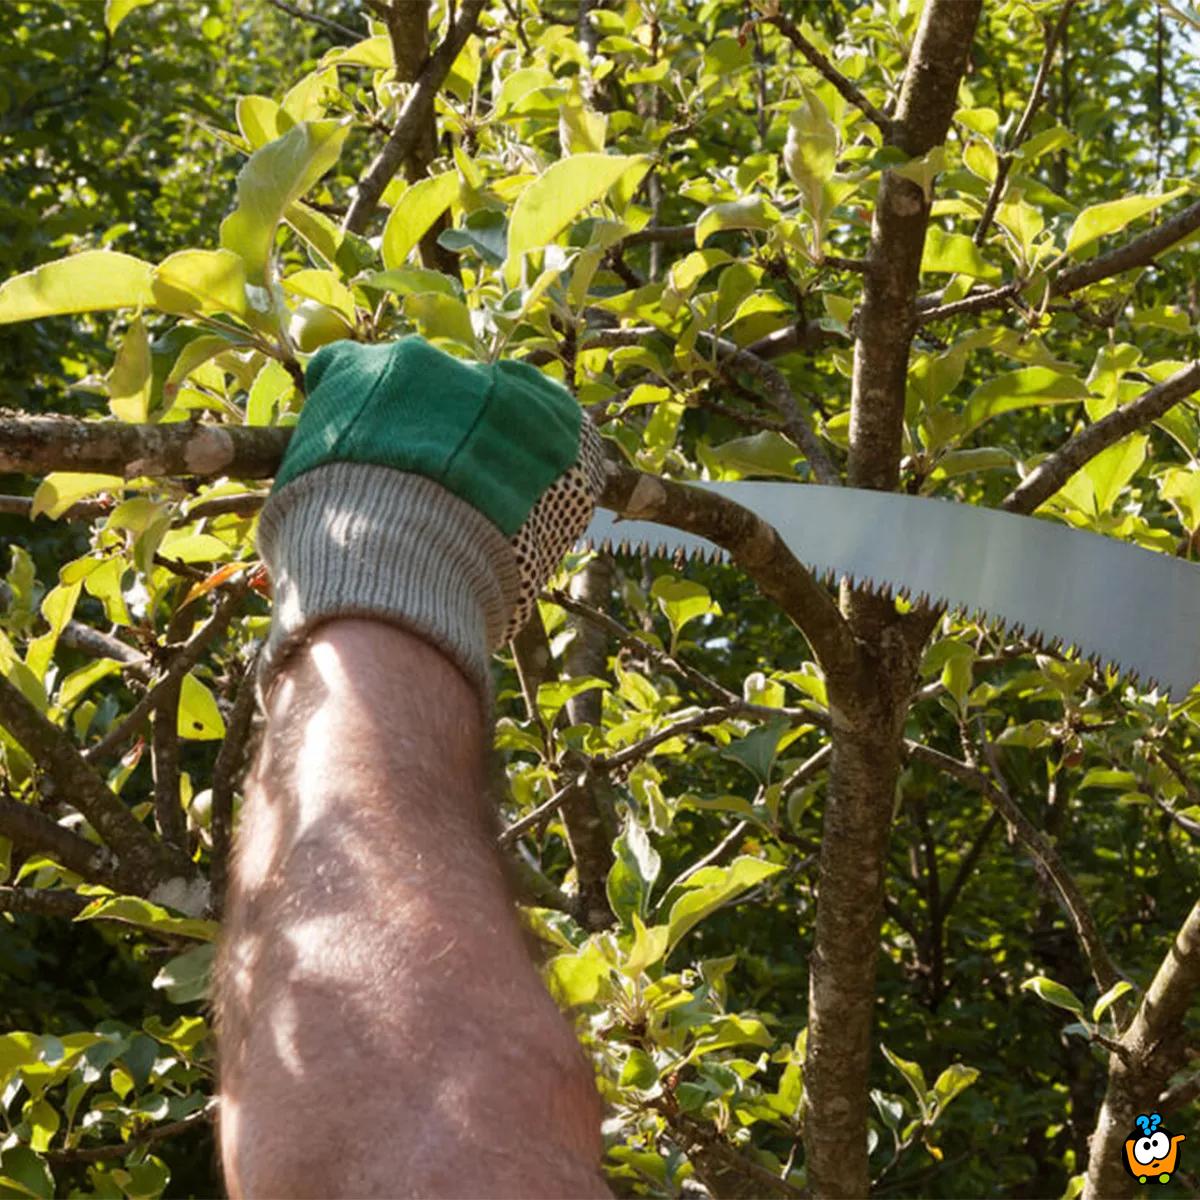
(932, 247)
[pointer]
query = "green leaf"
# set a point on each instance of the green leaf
(956, 254)
(750, 212)
(324, 286)
(1181, 486)
(414, 214)
(1114, 993)
(1031, 387)
(552, 696)
(133, 910)
(1099, 220)
(913, 1076)
(639, 1071)
(60, 489)
(411, 281)
(952, 1082)
(712, 887)
(635, 868)
(758, 749)
(131, 376)
(682, 601)
(1112, 469)
(186, 977)
(43, 1121)
(576, 978)
(22, 1170)
(258, 119)
(94, 281)
(437, 315)
(115, 11)
(649, 945)
(764, 453)
(1053, 993)
(548, 205)
(810, 153)
(272, 385)
(274, 177)
(199, 718)
(201, 281)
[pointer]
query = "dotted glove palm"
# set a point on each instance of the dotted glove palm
(427, 491)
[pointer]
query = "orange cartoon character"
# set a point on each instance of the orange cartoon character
(1151, 1152)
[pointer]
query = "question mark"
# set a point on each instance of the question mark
(1143, 1123)
(1155, 1121)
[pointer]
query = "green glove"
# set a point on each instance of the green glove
(427, 491)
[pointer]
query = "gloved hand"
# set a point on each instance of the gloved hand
(427, 491)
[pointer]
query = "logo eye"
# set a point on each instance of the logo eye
(1159, 1143)
(1143, 1150)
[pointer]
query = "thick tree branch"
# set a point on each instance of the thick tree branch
(1152, 1048)
(33, 832)
(849, 91)
(1050, 474)
(36, 445)
(414, 117)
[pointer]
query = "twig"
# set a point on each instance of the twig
(828, 71)
(1006, 159)
(975, 303)
(82, 510)
(316, 19)
(90, 1154)
(183, 662)
(227, 770)
(1050, 474)
(543, 810)
(164, 746)
(414, 116)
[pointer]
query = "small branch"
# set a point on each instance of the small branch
(1005, 162)
(414, 116)
(164, 746)
(1050, 474)
(631, 754)
(157, 1133)
(83, 510)
(968, 863)
(227, 771)
(1179, 1096)
(1140, 251)
(183, 662)
(43, 902)
(828, 71)
(618, 631)
(315, 19)
(143, 859)
(978, 302)
(1042, 851)
(33, 832)
(770, 378)
(543, 810)
(245, 505)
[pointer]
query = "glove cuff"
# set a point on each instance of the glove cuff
(358, 540)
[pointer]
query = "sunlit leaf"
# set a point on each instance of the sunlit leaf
(1099, 220)
(201, 281)
(414, 214)
(93, 281)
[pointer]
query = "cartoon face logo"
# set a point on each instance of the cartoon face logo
(1151, 1152)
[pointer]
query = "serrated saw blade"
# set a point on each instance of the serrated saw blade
(1113, 602)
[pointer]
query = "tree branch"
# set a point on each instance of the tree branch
(227, 771)
(1050, 474)
(828, 71)
(315, 19)
(156, 1133)
(43, 902)
(414, 116)
(1004, 165)
(184, 660)
(143, 861)
(33, 832)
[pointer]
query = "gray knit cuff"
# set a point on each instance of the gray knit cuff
(356, 540)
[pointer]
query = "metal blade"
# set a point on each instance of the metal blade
(1113, 602)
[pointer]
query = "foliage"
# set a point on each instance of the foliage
(177, 217)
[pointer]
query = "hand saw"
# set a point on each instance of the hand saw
(1115, 603)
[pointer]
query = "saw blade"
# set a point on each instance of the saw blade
(1112, 602)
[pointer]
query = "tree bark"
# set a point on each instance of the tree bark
(868, 704)
(1153, 1049)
